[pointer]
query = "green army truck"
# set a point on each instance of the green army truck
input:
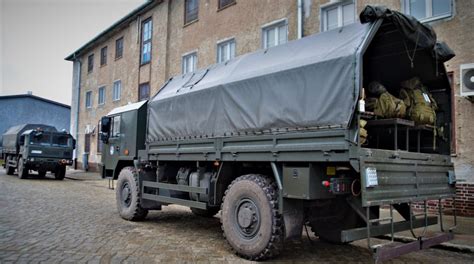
(272, 140)
(37, 147)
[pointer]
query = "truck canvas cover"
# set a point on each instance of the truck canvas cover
(309, 83)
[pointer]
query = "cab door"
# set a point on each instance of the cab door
(111, 150)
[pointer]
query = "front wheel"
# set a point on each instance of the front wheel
(60, 173)
(250, 218)
(126, 194)
(22, 169)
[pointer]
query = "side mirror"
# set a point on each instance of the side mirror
(105, 124)
(74, 143)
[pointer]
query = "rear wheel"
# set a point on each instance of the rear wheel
(250, 218)
(60, 173)
(10, 170)
(22, 170)
(210, 212)
(126, 194)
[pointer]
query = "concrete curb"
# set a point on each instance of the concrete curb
(445, 246)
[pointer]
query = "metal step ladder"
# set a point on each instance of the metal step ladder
(389, 250)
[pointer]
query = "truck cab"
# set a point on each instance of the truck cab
(123, 133)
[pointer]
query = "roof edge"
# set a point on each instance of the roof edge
(121, 22)
(34, 97)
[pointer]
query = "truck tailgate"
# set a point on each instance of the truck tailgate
(404, 176)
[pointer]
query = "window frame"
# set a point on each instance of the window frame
(90, 63)
(186, 21)
(222, 43)
(101, 88)
(88, 105)
(429, 11)
(340, 15)
(220, 7)
(103, 56)
(117, 41)
(113, 132)
(148, 41)
(272, 25)
(188, 55)
(145, 84)
(114, 99)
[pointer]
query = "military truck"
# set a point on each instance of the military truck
(37, 147)
(271, 139)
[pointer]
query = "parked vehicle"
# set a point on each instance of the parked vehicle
(272, 140)
(37, 147)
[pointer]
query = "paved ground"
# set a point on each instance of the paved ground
(75, 221)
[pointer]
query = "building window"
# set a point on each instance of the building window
(275, 34)
(117, 90)
(225, 3)
(428, 10)
(191, 10)
(103, 56)
(338, 15)
(89, 99)
(189, 62)
(101, 97)
(143, 91)
(119, 48)
(146, 41)
(90, 63)
(225, 50)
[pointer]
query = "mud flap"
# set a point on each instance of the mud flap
(293, 217)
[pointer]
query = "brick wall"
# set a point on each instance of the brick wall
(464, 202)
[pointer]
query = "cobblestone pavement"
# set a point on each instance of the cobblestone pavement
(71, 221)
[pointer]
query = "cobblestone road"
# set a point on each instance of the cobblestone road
(70, 221)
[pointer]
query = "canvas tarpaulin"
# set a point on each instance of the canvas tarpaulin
(306, 83)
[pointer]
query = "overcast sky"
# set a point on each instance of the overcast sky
(36, 36)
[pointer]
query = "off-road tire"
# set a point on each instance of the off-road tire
(129, 206)
(266, 238)
(22, 171)
(337, 216)
(60, 173)
(42, 173)
(10, 170)
(210, 212)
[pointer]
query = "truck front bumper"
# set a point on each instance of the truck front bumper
(35, 163)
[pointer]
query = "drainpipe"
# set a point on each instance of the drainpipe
(78, 94)
(300, 19)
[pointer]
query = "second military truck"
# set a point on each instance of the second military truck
(272, 139)
(37, 147)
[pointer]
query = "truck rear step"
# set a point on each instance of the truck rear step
(374, 228)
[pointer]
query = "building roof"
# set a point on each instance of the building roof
(114, 28)
(19, 96)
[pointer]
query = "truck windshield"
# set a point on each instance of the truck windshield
(40, 139)
(62, 140)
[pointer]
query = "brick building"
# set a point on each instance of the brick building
(133, 58)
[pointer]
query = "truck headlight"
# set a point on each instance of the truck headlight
(32, 159)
